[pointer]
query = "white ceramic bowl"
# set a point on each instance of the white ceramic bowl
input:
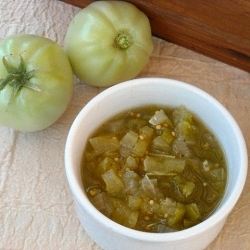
(110, 235)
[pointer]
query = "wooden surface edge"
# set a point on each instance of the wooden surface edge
(206, 28)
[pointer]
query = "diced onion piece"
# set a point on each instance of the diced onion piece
(169, 202)
(159, 118)
(148, 186)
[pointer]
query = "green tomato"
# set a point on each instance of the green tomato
(108, 42)
(36, 82)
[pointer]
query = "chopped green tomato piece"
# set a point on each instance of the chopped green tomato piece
(114, 184)
(185, 187)
(90, 156)
(105, 165)
(217, 174)
(168, 136)
(163, 210)
(127, 143)
(181, 148)
(149, 206)
(146, 132)
(166, 207)
(145, 207)
(163, 165)
(135, 124)
(189, 223)
(177, 215)
(159, 144)
(131, 163)
(131, 181)
(134, 202)
(183, 128)
(117, 127)
(123, 215)
(192, 212)
(182, 114)
(140, 148)
(159, 118)
(186, 131)
(143, 142)
(101, 144)
(112, 154)
(102, 203)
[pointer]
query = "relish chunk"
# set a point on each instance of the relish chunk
(154, 169)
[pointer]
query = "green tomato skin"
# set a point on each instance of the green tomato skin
(89, 43)
(32, 110)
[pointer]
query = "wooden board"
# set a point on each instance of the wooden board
(217, 28)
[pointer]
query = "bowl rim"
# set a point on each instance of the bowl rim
(217, 216)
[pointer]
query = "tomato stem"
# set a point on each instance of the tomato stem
(17, 77)
(123, 40)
